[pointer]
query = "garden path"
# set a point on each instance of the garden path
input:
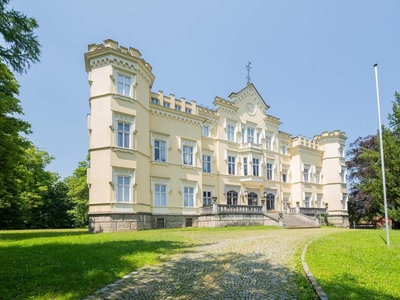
(222, 265)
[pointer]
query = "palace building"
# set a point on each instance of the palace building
(158, 161)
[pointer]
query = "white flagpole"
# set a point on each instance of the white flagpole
(382, 159)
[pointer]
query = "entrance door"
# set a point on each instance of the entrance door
(252, 198)
(270, 202)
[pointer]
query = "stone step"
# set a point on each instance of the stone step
(292, 222)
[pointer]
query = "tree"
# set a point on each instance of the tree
(12, 147)
(365, 173)
(78, 193)
(44, 199)
(361, 204)
(21, 46)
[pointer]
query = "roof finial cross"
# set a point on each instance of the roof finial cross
(248, 72)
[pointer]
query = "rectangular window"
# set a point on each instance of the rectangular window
(188, 196)
(207, 198)
(342, 176)
(319, 202)
(258, 138)
(243, 134)
(188, 155)
(188, 110)
(268, 142)
(344, 200)
(341, 151)
(160, 195)
(124, 85)
(231, 165)
(318, 176)
(307, 201)
(284, 175)
(284, 150)
(123, 132)
(206, 130)
(123, 188)
(256, 167)
(166, 104)
(230, 132)
(155, 101)
(189, 222)
(245, 166)
(269, 171)
(250, 135)
(306, 173)
(159, 151)
(177, 107)
(206, 163)
(160, 223)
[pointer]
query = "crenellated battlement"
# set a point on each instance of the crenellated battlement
(305, 142)
(172, 102)
(331, 136)
(109, 43)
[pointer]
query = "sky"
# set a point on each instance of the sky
(312, 61)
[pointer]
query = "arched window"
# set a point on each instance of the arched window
(252, 198)
(270, 202)
(232, 198)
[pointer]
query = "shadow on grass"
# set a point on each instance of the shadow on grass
(15, 235)
(72, 271)
(347, 286)
(211, 276)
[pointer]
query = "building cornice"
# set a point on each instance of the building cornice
(177, 115)
(305, 150)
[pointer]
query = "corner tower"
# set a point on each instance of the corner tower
(119, 82)
(334, 176)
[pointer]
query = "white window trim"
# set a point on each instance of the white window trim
(308, 167)
(189, 184)
(207, 153)
(235, 155)
(272, 169)
(133, 83)
(185, 142)
(269, 134)
(159, 137)
(209, 130)
(247, 164)
(160, 181)
(127, 119)
(114, 182)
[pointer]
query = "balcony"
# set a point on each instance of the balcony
(250, 145)
(230, 209)
(308, 211)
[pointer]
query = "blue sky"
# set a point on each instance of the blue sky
(312, 61)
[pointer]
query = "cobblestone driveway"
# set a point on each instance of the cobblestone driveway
(223, 265)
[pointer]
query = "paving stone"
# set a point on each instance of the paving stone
(222, 265)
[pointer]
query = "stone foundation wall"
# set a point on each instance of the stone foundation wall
(109, 222)
(173, 221)
(339, 220)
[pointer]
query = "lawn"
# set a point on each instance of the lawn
(357, 264)
(71, 264)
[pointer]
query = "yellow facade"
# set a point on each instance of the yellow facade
(155, 157)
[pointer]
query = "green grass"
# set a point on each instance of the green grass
(71, 264)
(357, 264)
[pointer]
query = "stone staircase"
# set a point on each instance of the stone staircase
(292, 221)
